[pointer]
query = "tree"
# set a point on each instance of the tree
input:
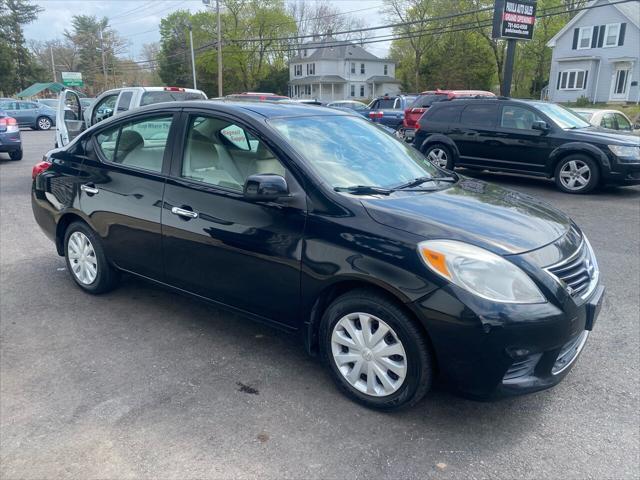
(13, 15)
(174, 58)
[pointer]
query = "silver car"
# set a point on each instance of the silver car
(30, 114)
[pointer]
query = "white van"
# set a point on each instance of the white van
(70, 121)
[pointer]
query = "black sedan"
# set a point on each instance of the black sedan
(394, 271)
(10, 140)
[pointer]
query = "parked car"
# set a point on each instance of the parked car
(10, 141)
(309, 101)
(111, 103)
(351, 105)
(389, 110)
(257, 97)
(420, 105)
(49, 102)
(530, 137)
(30, 114)
(316, 221)
(611, 119)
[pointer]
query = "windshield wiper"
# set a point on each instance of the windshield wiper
(420, 180)
(364, 190)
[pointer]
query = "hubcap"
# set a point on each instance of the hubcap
(44, 124)
(82, 258)
(369, 354)
(438, 157)
(575, 175)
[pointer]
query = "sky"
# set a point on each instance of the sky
(138, 20)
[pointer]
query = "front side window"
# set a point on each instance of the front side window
(585, 38)
(608, 121)
(518, 117)
(484, 115)
(139, 143)
(124, 101)
(560, 115)
(346, 150)
(611, 35)
(622, 122)
(221, 153)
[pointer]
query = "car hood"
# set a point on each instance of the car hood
(604, 135)
(500, 220)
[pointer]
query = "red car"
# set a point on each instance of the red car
(413, 113)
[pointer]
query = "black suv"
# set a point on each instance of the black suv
(530, 137)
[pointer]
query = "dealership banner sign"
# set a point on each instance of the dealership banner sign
(514, 19)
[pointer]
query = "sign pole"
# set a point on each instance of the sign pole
(508, 68)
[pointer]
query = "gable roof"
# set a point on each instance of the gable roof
(329, 48)
(631, 10)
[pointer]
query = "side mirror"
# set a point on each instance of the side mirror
(265, 187)
(636, 126)
(540, 125)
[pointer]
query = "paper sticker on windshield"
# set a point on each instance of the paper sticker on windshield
(236, 135)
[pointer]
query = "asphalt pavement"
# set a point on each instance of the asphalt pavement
(145, 383)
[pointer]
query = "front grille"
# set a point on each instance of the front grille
(578, 273)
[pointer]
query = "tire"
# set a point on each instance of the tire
(369, 310)
(440, 155)
(43, 123)
(577, 174)
(16, 155)
(106, 277)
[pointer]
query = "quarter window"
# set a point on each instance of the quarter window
(224, 154)
(585, 38)
(518, 117)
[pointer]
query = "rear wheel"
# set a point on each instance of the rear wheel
(577, 174)
(16, 155)
(377, 355)
(43, 123)
(86, 260)
(440, 155)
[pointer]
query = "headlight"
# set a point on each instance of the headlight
(479, 271)
(625, 151)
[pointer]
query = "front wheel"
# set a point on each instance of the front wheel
(440, 155)
(16, 155)
(577, 174)
(86, 260)
(376, 353)
(43, 123)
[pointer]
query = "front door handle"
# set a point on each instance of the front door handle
(184, 213)
(89, 189)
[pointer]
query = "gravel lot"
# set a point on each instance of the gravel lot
(144, 383)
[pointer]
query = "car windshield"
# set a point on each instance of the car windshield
(346, 151)
(425, 101)
(562, 116)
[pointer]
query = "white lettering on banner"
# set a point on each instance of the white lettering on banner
(519, 8)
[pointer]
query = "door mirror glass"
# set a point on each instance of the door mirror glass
(265, 187)
(540, 125)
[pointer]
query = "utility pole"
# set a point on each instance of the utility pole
(104, 65)
(219, 50)
(508, 67)
(193, 58)
(53, 65)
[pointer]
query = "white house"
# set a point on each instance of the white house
(331, 69)
(596, 55)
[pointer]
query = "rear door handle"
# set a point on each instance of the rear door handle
(90, 189)
(184, 213)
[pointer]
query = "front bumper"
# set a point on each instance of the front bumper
(487, 350)
(622, 172)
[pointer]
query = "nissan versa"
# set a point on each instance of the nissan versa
(392, 270)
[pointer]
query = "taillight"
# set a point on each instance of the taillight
(10, 124)
(173, 89)
(374, 115)
(38, 168)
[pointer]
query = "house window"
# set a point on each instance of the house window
(572, 80)
(307, 90)
(585, 38)
(353, 90)
(353, 67)
(297, 70)
(362, 90)
(386, 69)
(311, 68)
(611, 34)
(362, 68)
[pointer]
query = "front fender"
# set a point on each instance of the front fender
(577, 147)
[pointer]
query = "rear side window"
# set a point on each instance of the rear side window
(385, 103)
(425, 101)
(444, 114)
(149, 98)
(484, 115)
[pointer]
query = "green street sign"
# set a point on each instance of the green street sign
(72, 79)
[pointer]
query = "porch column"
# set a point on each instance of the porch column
(320, 96)
(332, 92)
